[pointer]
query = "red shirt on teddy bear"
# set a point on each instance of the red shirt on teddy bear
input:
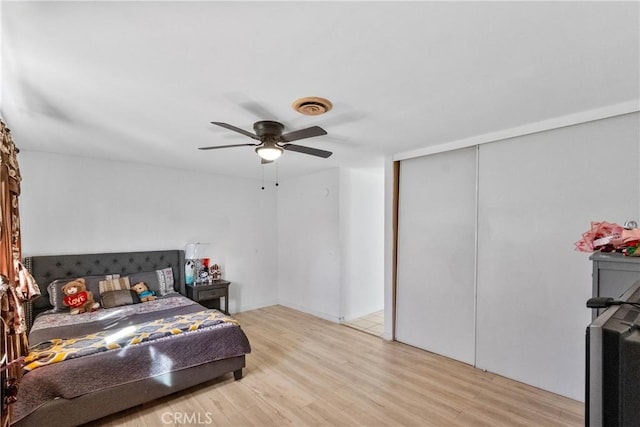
(76, 300)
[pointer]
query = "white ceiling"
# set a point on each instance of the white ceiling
(141, 81)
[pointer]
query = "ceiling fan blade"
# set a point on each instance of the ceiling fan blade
(307, 150)
(227, 146)
(236, 129)
(303, 133)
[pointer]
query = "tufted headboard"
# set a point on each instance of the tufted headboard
(48, 268)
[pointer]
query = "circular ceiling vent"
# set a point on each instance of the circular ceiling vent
(312, 105)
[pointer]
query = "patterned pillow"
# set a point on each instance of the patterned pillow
(160, 281)
(114, 285)
(167, 282)
(56, 296)
(112, 299)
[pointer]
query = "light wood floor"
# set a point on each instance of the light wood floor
(305, 371)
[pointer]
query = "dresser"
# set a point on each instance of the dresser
(613, 273)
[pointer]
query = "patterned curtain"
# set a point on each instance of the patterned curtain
(16, 284)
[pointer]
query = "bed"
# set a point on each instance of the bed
(86, 366)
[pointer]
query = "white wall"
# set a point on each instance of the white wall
(362, 237)
(79, 205)
(309, 244)
(331, 243)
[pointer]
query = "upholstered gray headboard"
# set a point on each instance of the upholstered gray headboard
(48, 268)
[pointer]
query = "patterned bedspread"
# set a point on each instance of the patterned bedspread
(60, 349)
(148, 347)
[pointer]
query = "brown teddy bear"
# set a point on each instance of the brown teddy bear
(143, 292)
(78, 298)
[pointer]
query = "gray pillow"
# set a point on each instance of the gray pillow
(160, 281)
(112, 299)
(56, 296)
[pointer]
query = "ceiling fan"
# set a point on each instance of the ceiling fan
(273, 142)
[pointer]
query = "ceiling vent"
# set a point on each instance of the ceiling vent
(312, 105)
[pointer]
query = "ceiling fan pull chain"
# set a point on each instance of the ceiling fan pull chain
(263, 176)
(276, 174)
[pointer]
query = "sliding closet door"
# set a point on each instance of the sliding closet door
(538, 193)
(436, 253)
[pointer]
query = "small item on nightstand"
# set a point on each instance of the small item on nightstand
(204, 277)
(189, 272)
(197, 267)
(215, 272)
(202, 271)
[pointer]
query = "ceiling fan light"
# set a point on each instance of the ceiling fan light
(269, 153)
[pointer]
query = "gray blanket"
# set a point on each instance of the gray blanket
(72, 378)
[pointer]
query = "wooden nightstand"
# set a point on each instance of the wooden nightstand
(209, 294)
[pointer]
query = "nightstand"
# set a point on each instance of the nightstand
(209, 294)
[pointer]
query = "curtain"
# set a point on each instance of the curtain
(16, 284)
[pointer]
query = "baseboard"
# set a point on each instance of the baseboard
(364, 313)
(255, 306)
(325, 316)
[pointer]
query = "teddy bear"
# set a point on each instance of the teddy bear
(143, 292)
(78, 298)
